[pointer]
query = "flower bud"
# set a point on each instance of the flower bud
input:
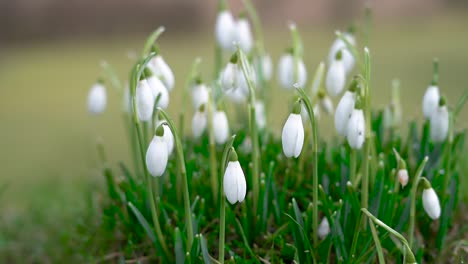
(430, 100)
(162, 71)
(356, 129)
(234, 184)
(200, 95)
(244, 35)
(144, 101)
(221, 127)
(336, 76)
(286, 72)
(324, 228)
(293, 133)
(97, 99)
(431, 203)
(199, 122)
(403, 177)
(157, 155)
(439, 123)
(343, 112)
(225, 30)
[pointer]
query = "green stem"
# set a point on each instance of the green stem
(414, 190)
(367, 143)
(213, 164)
(352, 166)
(152, 39)
(449, 155)
(313, 123)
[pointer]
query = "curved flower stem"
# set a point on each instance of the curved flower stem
(313, 123)
(213, 164)
(367, 143)
(151, 39)
(222, 208)
(414, 189)
(180, 155)
(253, 127)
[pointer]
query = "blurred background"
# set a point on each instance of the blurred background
(51, 51)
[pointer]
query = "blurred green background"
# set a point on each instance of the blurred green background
(47, 143)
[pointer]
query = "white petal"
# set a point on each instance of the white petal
(244, 35)
(225, 30)
(430, 101)
(198, 124)
(327, 105)
(156, 156)
(336, 78)
(324, 228)
(158, 88)
(97, 99)
(431, 203)
(236, 96)
(439, 124)
(234, 183)
(221, 127)
(286, 76)
(144, 101)
(403, 177)
(163, 72)
(200, 95)
(356, 129)
(293, 136)
(241, 184)
(229, 77)
(343, 112)
(348, 58)
(168, 136)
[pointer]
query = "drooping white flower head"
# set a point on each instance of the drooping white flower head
(430, 100)
(403, 177)
(163, 72)
(324, 228)
(168, 136)
(286, 72)
(158, 89)
(225, 30)
(344, 110)
(234, 184)
(348, 58)
(199, 122)
(236, 96)
(439, 121)
(200, 94)
(229, 77)
(326, 104)
(244, 35)
(292, 137)
(97, 98)
(336, 75)
(264, 65)
(233, 82)
(221, 127)
(356, 129)
(144, 101)
(260, 116)
(431, 203)
(157, 155)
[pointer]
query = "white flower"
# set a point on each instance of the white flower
(236, 96)
(292, 137)
(324, 228)
(403, 177)
(286, 75)
(439, 124)
(260, 116)
(221, 127)
(343, 112)
(225, 30)
(156, 156)
(356, 129)
(234, 183)
(199, 121)
(158, 89)
(242, 81)
(266, 66)
(144, 101)
(200, 95)
(336, 76)
(326, 104)
(244, 35)
(97, 99)
(163, 71)
(168, 136)
(430, 100)
(431, 203)
(348, 58)
(229, 77)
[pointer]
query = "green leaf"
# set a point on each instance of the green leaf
(178, 248)
(378, 246)
(143, 222)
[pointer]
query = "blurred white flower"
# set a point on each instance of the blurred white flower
(326, 104)
(162, 70)
(200, 95)
(356, 129)
(343, 112)
(431, 203)
(97, 99)
(403, 177)
(244, 35)
(266, 66)
(144, 101)
(292, 137)
(430, 100)
(286, 72)
(439, 121)
(221, 127)
(336, 75)
(157, 155)
(348, 58)
(199, 121)
(324, 228)
(168, 136)
(158, 89)
(225, 30)
(260, 116)
(234, 184)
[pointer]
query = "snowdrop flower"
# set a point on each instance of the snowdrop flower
(168, 136)
(144, 101)
(225, 30)
(199, 121)
(200, 94)
(430, 100)
(347, 56)
(234, 184)
(431, 202)
(292, 137)
(265, 66)
(244, 34)
(356, 129)
(157, 155)
(336, 75)
(221, 127)
(158, 89)
(162, 70)
(229, 75)
(324, 228)
(325, 103)
(236, 96)
(286, 74)
(439, 122)
(97, 98)
(260, 116)
(403, 177)
(344, 109)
